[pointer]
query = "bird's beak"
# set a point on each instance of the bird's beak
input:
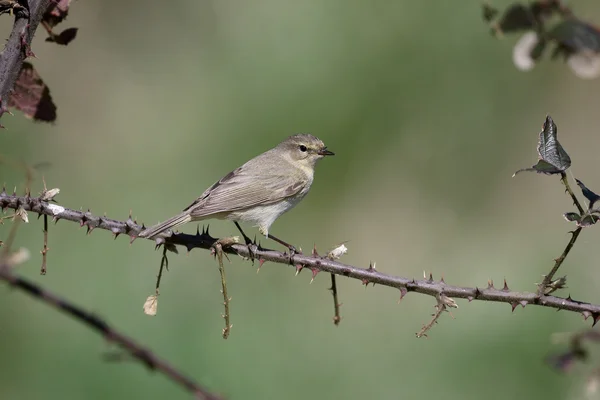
(325, 152)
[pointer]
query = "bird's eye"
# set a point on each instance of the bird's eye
(303, 148)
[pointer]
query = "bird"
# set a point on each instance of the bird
(259, 191)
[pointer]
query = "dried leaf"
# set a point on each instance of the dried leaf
(553, 159)
(575, 36)
(49, 194)
(572, 216)
(337, 252)
(18, 257)
(560, 283)
(448, 301)
(57, 11)
(63, 38)
(591, 196)
(527, 51)
(517, 17)
(587, 220)
(151, 305)
(21, 213)
(32, 96)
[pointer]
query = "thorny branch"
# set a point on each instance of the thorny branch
(147, 357)
(428, 287)
(217, 250)
(17, 48)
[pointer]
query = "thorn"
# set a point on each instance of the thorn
(523, 303)
(513, 306)
(90, 228)
(586, 315)
(569, 297)
(365, 282)
(430, 277)
(403, 292)
(371, 266)
(505, 288)
(132, 240)
(442, 279)
(490, 284)
(197, 230)
(298, 268)
(115, 232)
(470, 298)
(314, 274)
(596, 319)
(477, 292)
(314, 252)
(261, 261)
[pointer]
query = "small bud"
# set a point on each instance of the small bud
(151, 305)
(337, 252)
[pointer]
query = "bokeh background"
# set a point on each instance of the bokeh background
(428, 118)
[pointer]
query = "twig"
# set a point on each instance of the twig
(164, 264)
(404, 284)
(13, 55)
(565, 181)
(443, 302)
(558, 262)
(147, 357)
(45, 249)
(336, 305)
(218, 252)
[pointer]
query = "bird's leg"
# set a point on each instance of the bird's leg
(291, 248)
(249, 243)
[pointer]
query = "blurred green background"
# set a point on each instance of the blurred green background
(428, 118)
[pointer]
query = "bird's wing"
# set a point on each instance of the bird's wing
(241, 189)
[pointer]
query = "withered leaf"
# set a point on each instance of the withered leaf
(553, 159)
(56, 13)
(574, 35)
(64, 38)
(591, 196)
(31, 95)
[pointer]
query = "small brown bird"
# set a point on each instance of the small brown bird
(259, 191)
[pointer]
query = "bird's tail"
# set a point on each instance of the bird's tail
(165, 226)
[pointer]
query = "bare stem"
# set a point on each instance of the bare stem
(146, 356)
(218, 248)
(45, 249)
(558, 262)
(565, 181)
(336, 305)
(164, 264)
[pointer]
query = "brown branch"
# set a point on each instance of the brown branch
(336, 304)
(565, 181)
(217, 250)
(147, 357)
(204, 241)
(558, 262)
(17, 48)
(45, 249)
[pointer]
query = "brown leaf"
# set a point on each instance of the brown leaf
(64, 38)
(56, 13)
(31, 96)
